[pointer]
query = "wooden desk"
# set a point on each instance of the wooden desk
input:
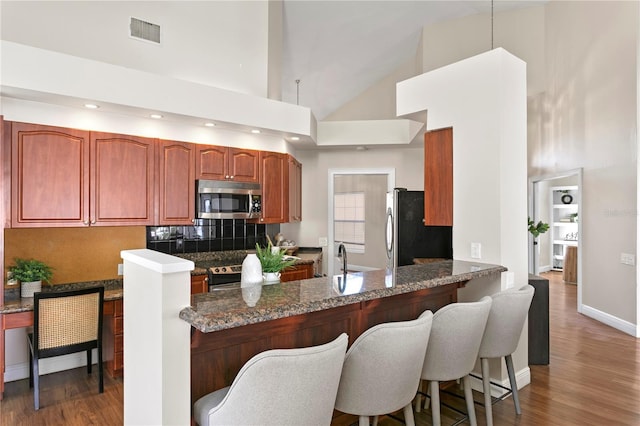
(112, 350)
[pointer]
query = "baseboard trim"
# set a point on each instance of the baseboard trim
(49, 365)
(610, 320)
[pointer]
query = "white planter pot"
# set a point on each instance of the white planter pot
(27, 289)
(271, 277)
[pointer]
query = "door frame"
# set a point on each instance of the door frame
(391, 183)
(533, 201)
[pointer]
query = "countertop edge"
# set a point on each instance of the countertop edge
(257, 315)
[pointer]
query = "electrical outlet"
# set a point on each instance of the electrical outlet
(120, 269)
(476, 251)
(10, 280)
(509, 279)
(627, 259)
(323, 241)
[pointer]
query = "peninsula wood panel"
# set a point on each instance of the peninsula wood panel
(217, 357)
(438, 177)
(405, 308)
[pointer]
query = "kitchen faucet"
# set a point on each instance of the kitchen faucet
(342, 252)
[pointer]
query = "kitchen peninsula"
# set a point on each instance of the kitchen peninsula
(232, 324)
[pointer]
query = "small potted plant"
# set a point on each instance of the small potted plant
(272, 261)
(536, 228)
(30, 273)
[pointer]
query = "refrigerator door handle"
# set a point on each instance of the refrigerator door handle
(388, 235)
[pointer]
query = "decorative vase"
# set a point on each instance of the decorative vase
(251, 294)
(251, 271)
(27, 289)
(271, 277)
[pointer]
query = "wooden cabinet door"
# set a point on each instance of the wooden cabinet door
(212, 162)
(50, 176)
(244, 165)
(295, 189)
(176, 174)
(199, 284)
(297, 272)
(438, 177)
(274, 182)
(122, 180)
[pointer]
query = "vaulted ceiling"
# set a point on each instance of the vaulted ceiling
(337, 49)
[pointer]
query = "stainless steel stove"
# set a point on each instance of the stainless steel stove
(219, 275)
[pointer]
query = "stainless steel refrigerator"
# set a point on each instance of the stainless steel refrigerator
(406, 236)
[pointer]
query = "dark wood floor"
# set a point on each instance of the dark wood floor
(593, 379)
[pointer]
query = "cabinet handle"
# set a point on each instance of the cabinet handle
(93, 222)
(206, 279)
(232, 176)
(85, 222)
(226, 177)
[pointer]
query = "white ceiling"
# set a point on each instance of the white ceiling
(337, 49)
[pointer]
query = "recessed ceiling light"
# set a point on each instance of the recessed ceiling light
(156, 116)
(295, 138)
(91, 106)
(256, 131)
(209, 124)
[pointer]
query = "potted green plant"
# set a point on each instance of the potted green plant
(30, 273)
(536, 228)
(273, 261)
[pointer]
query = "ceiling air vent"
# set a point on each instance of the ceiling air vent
(144, 30)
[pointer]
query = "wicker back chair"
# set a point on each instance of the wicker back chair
(63, 323)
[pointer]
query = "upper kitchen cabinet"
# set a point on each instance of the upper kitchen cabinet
(122, 180)
(295, 189)
(176, 176)
(438, 177)
(50, 176)
(222, 163)
(274, 182)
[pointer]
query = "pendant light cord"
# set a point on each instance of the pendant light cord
(491, 24)
(298, 91)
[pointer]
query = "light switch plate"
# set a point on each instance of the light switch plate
(476, 251)
(627, 259)
(323, 241)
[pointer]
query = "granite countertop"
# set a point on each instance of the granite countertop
(13, 303)
(229, 306)
(206, 260)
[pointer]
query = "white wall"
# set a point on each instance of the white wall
(587, 118)
(409, 169)
(582, 84)
(217, 43)
(484, 99)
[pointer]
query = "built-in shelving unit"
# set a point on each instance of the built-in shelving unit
(564, 226)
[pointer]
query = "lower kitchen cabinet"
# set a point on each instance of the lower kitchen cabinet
(112, 337)
(199, 284)
(297, 272)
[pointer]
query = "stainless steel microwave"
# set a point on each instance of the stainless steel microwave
(228, 200)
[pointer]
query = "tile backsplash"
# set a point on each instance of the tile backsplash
(209, 235)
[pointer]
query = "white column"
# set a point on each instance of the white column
(157, 376)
